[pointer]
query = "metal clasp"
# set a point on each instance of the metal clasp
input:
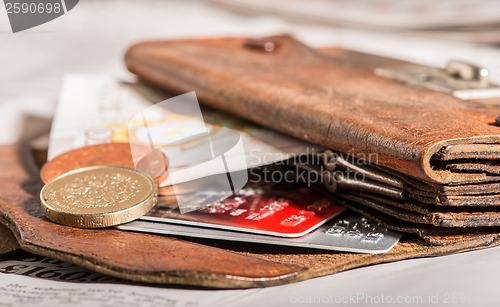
(469, 72)
(461, 79)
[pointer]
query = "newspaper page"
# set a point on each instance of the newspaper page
(32, 280)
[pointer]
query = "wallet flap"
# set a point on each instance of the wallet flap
(323, 99)
(132, 256)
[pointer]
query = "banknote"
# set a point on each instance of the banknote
(98, 109)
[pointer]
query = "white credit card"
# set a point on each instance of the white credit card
(349, 232)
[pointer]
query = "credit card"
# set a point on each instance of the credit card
(349, 232)
(277, 209)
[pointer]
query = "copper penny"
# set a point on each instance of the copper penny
(117, 154)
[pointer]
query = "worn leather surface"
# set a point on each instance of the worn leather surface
(416, 212)
(431, 234)
(8, 242)
(322, 98)
(161, 259)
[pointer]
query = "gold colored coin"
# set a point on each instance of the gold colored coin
(98, 196)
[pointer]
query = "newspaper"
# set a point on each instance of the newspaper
(470, 21)
(31, 280)
(381, 285)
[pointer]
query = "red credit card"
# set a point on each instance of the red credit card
(280, 209)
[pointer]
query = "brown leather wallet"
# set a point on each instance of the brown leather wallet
(428, 159)
(423, 183)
